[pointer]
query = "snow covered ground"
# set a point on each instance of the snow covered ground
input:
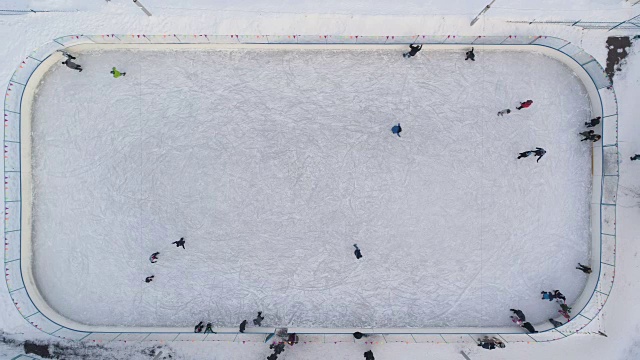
(272, 164)
(21, 34)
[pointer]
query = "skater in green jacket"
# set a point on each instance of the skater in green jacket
(116, 73)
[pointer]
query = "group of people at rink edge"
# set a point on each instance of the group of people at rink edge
(518, 316)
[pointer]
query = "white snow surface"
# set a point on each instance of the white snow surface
(273, 163)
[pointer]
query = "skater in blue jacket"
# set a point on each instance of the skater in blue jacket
(397, 129)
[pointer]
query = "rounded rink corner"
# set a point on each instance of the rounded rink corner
(19, 98)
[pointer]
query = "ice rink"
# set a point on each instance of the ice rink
(273, 163)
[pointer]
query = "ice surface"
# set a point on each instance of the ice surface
(272, 164)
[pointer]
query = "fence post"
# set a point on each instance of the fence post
(142, 7)
(486, 8)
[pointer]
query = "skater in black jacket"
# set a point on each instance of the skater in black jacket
(593, 122)
(529, 327)
(368, 355)
(258, 320)
(519, 314)
(208, 329)
(243, 326)
(357, 252)
(470, 55)
(539, 152)
(149, 279)
(154, 257)
(198, 328)
(71, 65)
(414, 50)
(179, 243)
(585, 269)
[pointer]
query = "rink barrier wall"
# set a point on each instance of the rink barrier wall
(18, 195)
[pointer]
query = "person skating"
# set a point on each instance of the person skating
(272, 357)
(149, 279)
(179, 242)
(154, 257)
(368, 355)
(358, 335)
(357, 252)
(470, 55)
(635, 157)
(516, 320)
(490, 343)
(292, 339)
(396, 129)
(519, 314)
(243, 326)
(524, 105)
(552, 295)
(209, 329)
(529, 327)
(566, 308)
(258, 320)
(198, 328)
(277, 348)
(503, 112)
(539, 152)
(590, 135)
(584, 269)
(414, 49)
(564, 314)
(555, 323)
(559, 295)
(547, 295)
(116, 74)
(593, 122)
(71, 65)
(67, 55)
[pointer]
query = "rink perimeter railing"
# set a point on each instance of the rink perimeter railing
(603, 205)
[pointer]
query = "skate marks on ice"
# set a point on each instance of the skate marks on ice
(273, 163)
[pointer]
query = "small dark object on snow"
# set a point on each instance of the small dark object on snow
(149, 279)
(243, 326)
(272, 357)
(593, 122)
(524, 105)
(154, 257)
(555, 323)
(357, 252)
(179, 242)
(368, 355)
(414, 50)
(503, 112)
(470, 55)
(529, 327)
(198, 328)
(635, 157)
(585, 269)
(258, 319)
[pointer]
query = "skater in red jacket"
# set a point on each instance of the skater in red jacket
(524, 105)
